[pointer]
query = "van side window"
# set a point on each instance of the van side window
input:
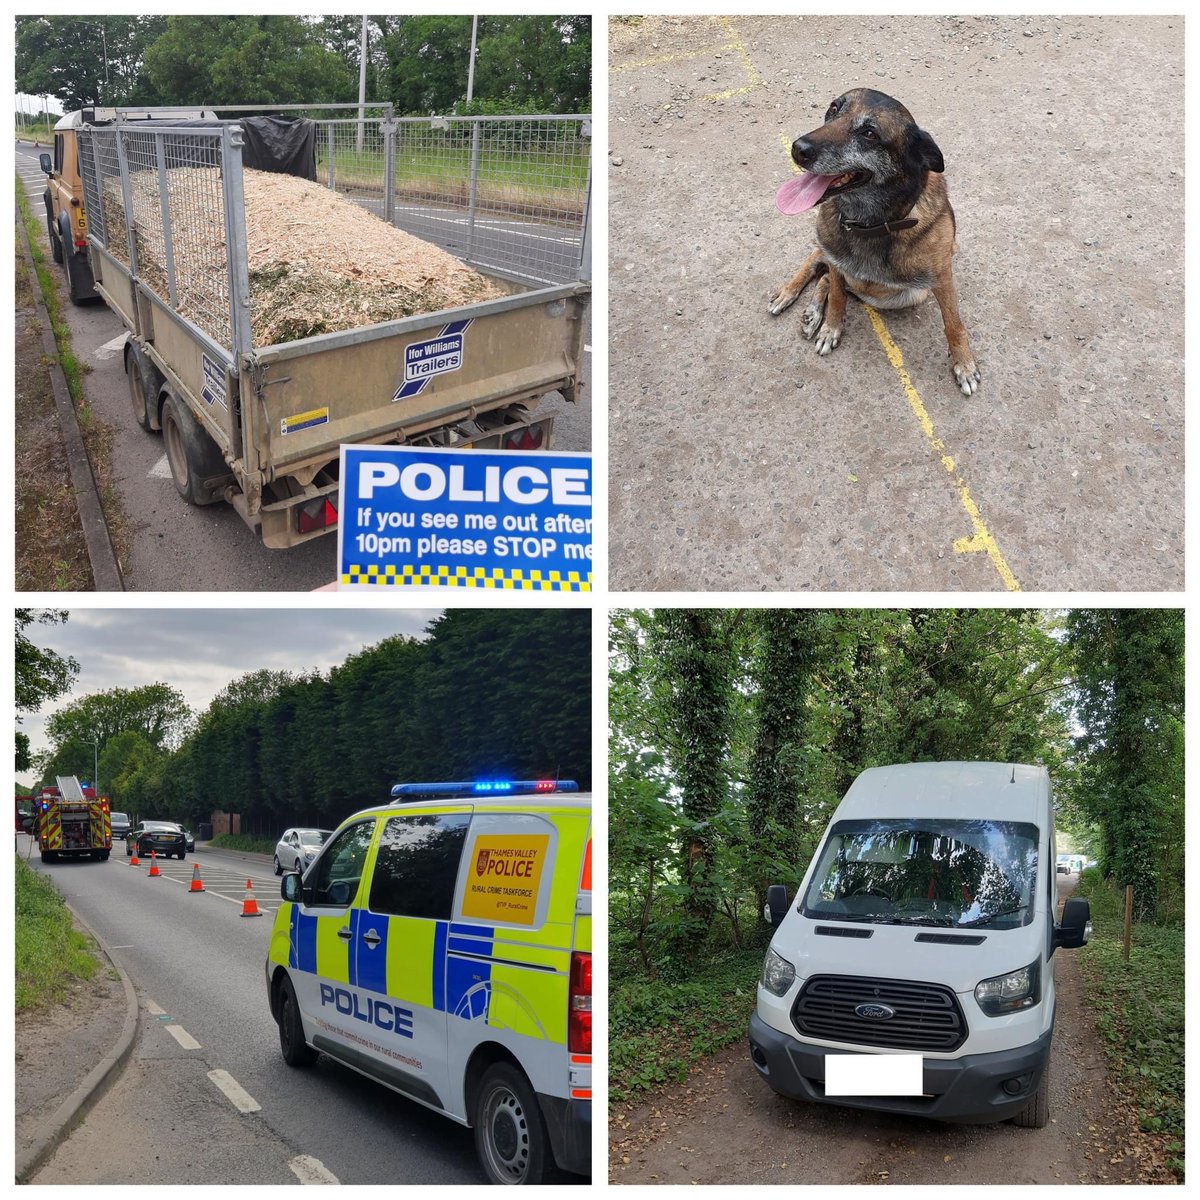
(58, 153)
(416, 868)
(340, 867)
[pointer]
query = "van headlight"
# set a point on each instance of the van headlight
(777, 974)
(1011, 992)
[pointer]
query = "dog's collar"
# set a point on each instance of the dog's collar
(879, 230)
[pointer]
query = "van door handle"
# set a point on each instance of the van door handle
(372, 938)
(345, 934)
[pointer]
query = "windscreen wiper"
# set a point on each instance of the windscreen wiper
(1004, 912)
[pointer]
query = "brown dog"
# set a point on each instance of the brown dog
(888, 235)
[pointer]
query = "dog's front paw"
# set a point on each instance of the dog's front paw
(828, 337)
(966, 375)
(784, 298)
(814, 314)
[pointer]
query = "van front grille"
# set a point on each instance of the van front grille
(924, 1016)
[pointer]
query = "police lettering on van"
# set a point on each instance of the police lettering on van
(441, 946)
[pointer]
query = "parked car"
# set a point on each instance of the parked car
(297, 848)
(1063, 865)
(163, 837)
(188, 836)
(120, 826)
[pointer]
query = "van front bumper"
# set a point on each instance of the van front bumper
(967, 1090)
(569, 1125)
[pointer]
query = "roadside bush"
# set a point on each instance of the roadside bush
(1139, 1008)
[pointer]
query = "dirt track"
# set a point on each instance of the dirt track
(741, 460)
(724, 1125)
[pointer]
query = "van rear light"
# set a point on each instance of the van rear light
(579, 1013)
(316, 514)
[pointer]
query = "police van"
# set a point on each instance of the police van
(441, 945)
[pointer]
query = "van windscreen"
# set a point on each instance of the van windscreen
(926, 872)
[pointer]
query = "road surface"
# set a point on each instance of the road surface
(198, 968)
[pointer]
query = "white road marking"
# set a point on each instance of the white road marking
(238, 1096)
(587, 349)
(154, 1010)
(111, 349)
(311, 1170)
(160, 470)
(182, 1036)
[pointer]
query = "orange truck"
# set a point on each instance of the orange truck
(72, 821)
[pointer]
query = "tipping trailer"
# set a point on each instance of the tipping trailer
(260, 427)
(72, 821)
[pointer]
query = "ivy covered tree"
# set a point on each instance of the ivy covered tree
(1129, 675)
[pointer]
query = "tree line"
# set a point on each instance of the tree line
(502, 693)
(418, 63)
(734, 734)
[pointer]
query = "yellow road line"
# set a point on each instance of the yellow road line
(982, 541)
(752, 75)
(670, 58)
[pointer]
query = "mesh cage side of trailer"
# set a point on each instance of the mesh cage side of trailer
(164, 215)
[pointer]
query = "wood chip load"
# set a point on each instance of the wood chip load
(318, 262)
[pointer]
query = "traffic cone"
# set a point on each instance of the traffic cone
(153, 865)
(249, 904)
(197, 886)
(133, 862)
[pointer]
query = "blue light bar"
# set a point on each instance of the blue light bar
(486, 787)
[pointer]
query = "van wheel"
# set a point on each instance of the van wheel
(296, 1051)
(1036, 1113)
(510, 1137)
(55, 243)
(193, 456)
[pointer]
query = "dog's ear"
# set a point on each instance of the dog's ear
(924, 152)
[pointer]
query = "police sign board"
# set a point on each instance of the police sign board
(497, 519)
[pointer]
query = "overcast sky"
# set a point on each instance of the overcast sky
(199, 651)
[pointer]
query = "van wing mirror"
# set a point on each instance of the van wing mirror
(45, 163)
(777, 903)
(1076, 925)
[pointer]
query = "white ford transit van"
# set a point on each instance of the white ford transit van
(924, 926)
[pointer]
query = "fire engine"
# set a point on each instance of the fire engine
(72, 821)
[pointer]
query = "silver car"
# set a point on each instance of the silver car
(297, 848)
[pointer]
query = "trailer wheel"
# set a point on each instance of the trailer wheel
(193, 456)
(144, 385)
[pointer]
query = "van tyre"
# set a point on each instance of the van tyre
(1036, 1114)
(56, 249)
(192, 455)
(510, 1136)
(296, 1051)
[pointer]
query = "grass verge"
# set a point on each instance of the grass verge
(50, 952)
(1139, 1007)
(244, 841)
(657, 1030)
(97, 436)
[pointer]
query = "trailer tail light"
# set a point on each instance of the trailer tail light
(316, 514)
(530, 437)
(579, 1015)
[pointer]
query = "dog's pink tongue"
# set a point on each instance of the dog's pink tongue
(801, 193)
